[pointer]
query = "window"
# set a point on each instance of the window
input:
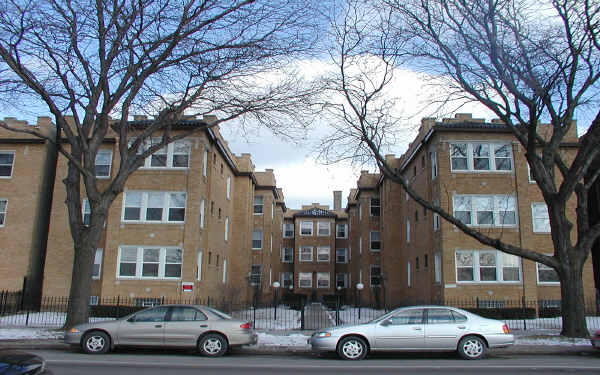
(7, 159)
(204, 162)
(322, 279)
(433, 160)
(150, 262)
(212, 208)
(408, 281)
(286, 279)
(150, 207)
(258, 205)
(224, 271)
(546, 274)
(288, 230)
(93, 300)
(425, 261)
(417, 263)
(375, 241)
(199, 266)
(414, 316)
(480, 157)
(305, 279)
(540, 218)
(487, 266)
(436, 217)
(323, 254)
(341, 231)
(227, 228)
(323, 228)
(375, 206)
(202, 213)
(173, 155)
(375, 275)
(486, 210)
(437, 267)
(219, 211)
(86, 211)
(416, 216)
(306, 228)
(530, 175)
(257, 235)
(341, 280)
(103, 163)
(97, 266)
(341, 255)
(407, 231)
(228, 188)
(3, 204)
(186, 314)
(287, 255)
(255, 274)
(306, 253)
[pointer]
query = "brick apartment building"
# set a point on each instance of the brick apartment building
(199, 221)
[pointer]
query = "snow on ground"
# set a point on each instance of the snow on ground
(30, 334)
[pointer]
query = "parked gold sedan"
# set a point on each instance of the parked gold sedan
(211, 331)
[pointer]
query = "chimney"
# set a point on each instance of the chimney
(337, 200)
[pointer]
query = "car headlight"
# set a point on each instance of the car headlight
(323, 334)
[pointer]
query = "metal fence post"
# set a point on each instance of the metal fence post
(302, 314)
(524, 313)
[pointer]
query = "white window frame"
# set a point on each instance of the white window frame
(166, 207)
(228, 188)
(261, 239)
(344, 255)
(169, 152)
(305, 225)
(529, 176)
(97, 262)
(286, 279)
(434, 167)
(204, 162)
(287, 255)
(407, 230)
(491, 156)
(285, 230)
(323, 254)
(224, 271)
(377, 206)
(226, 228)
(371, 240)
(86, 210)
(337, 231)
(343, 277)
(468, 205)
(12, 164)
(323, 280)
(3, 209)
(305, 276)
(255, 205)
(324, 226)
(436, 217)
(536, 217)
(302, 255)
(140, 262)
(499, 266)
(437, 268)
(544, 267)
(408, 274)
(98, 155)
(202, 212)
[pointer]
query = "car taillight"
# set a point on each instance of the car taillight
(505, 328)
(246, 326)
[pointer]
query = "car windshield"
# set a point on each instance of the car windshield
(218, 313)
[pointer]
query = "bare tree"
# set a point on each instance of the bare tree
(103, 59)
(527, 62)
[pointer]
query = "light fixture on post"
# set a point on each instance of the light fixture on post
(276, 286)
(359, 288)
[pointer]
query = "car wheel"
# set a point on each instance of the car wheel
(352, 348)
(95, 342)
(471, 347)
(212, 345)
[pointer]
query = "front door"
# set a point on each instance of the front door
(145, 328)
(184, 326)
(404, 331)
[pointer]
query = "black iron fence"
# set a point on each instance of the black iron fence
(15, 311)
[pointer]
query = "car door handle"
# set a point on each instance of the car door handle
(416, 328)
(158, 326)
(203, 325)
(461, 327)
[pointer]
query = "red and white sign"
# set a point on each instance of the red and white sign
(187, 287)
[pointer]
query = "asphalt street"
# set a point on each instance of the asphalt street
(182, 363)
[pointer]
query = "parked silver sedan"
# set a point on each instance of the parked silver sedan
(416, 328)
(210, 330)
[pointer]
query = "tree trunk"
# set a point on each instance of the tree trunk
(573, 302)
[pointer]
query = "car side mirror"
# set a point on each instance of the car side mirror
(131, 320)
(386, 323)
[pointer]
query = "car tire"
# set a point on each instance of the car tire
(95, 342)
(212, 345)
(471, 347)
(352, 348)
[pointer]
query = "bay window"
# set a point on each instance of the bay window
(487, 266)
